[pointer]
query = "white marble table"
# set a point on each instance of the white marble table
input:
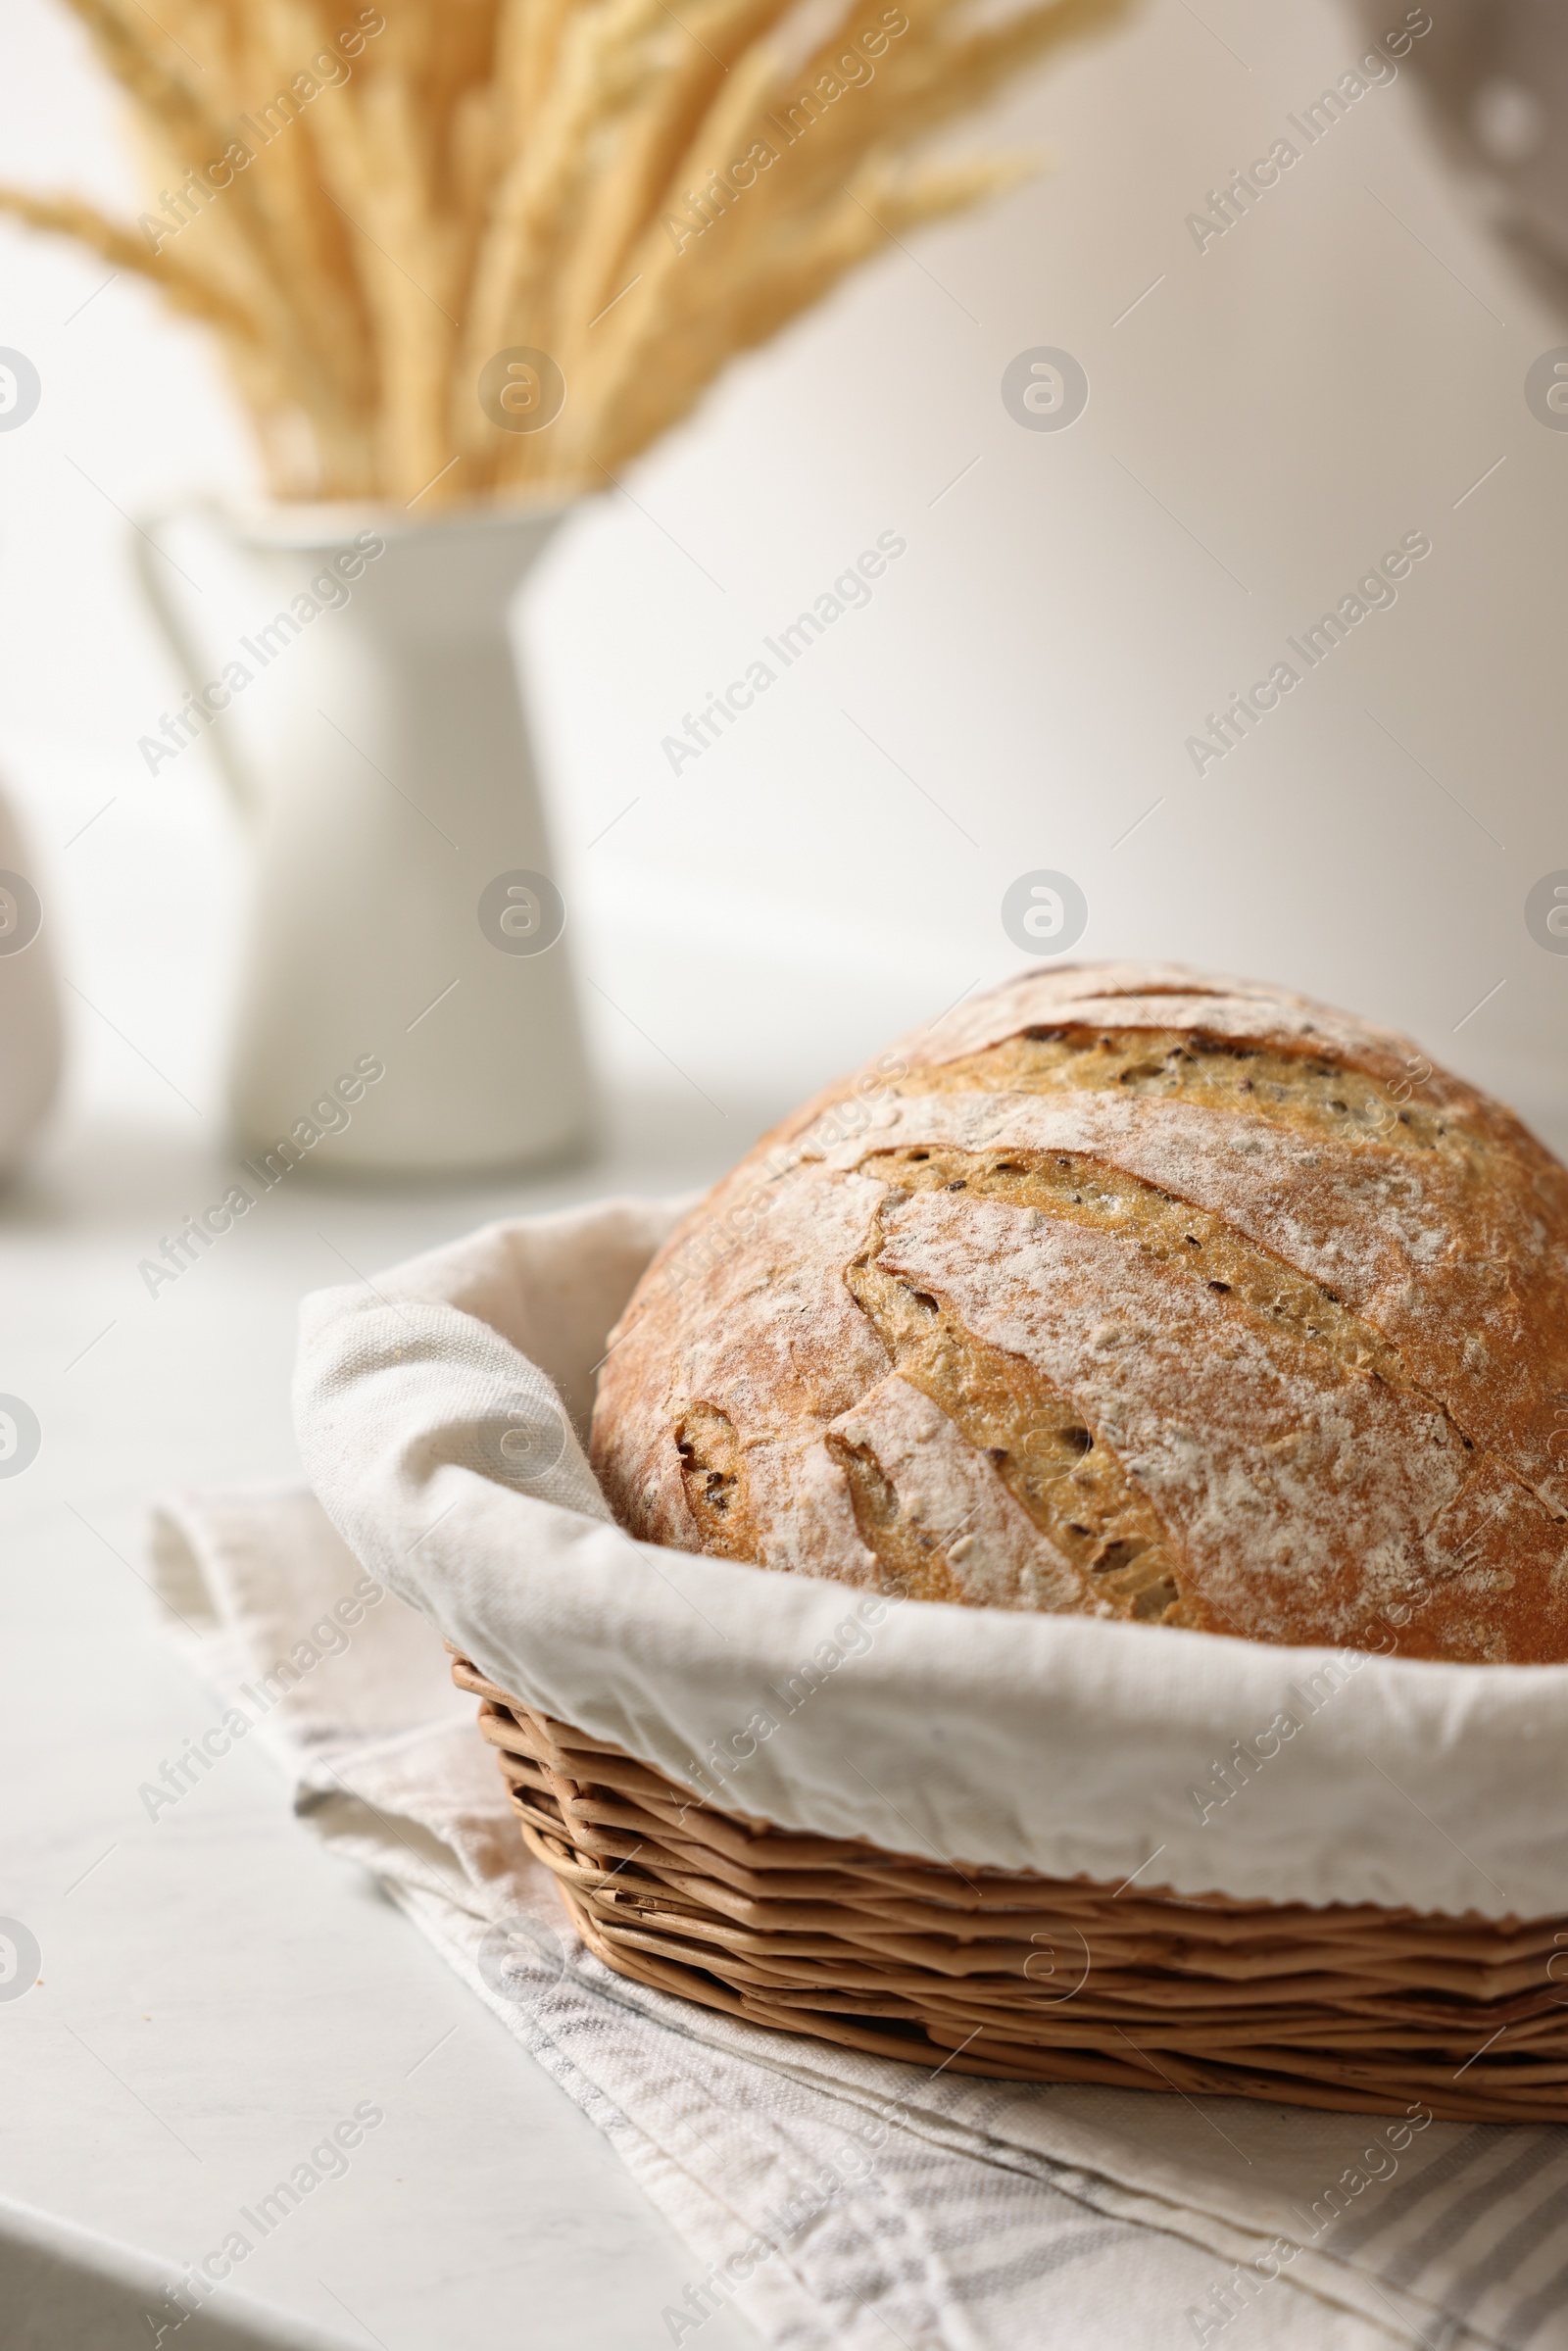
(217, 1991)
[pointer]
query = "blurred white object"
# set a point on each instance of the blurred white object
(1496, 74)
(1509, 121)
(404, 924)
(29, 1002)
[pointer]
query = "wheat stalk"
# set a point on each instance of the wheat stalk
(367, 205)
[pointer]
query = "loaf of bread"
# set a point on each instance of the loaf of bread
(1129, 1293)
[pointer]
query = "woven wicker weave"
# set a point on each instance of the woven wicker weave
(1032, 1979)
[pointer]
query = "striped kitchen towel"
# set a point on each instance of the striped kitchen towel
(831, 2198)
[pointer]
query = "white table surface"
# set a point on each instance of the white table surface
(218, 1990)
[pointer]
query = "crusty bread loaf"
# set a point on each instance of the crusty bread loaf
(1129, 1293)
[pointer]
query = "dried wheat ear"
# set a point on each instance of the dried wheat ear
(368, 205)
(1131, 1294)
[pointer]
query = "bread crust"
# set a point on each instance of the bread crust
(1131, 1292)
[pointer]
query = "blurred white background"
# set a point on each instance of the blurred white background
(1272, 415)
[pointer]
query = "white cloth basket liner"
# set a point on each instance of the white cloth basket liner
(441, 1410)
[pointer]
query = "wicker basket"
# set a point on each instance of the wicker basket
(1031, 1978)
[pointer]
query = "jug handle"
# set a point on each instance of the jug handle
(151, 559)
